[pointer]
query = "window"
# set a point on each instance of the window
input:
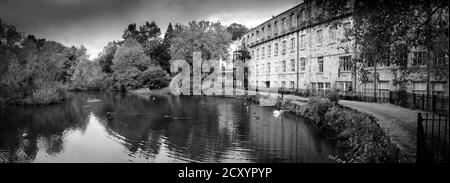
(292, 20)
(320, 63)
(283, 84)
(319, 37)
(370, 62)
(268, 68)
(269, 51)
(253, 53)
(419, 87)
(383, 85)
(418, 58)
(301, 16)
(332, 34)
(302, 41)
(302, 64)
(257, 54)
(292, 84)
(276, 49)
(275, 28)
(320, 86)
(283, 65)
(276, 67)
(344, 85)
(263, 51)
(292, 44)
(347, 29)
(345, 63)
(257, 69)
(283, 51)
(283, 23)
(293, 65)
(438, 88)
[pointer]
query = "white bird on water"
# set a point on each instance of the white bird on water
(277, 113)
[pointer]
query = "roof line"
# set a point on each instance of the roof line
(273, 17)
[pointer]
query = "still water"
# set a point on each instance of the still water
(92, 127)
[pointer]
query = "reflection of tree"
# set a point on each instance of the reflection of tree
(44, 127)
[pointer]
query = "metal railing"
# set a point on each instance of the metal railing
(432, 138)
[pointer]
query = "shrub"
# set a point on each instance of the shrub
(154, 79)
(45, 94)
(333, 96)
(361, 135)
(402, 97)
(317, 108)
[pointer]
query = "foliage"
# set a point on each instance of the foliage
(317, 108)
(46, 93)
(386, 32)
(362, 137)
(211, 39)
(155, 79)
(89, 75)
(333, 96)
(34, 71)
(107, 55)
(129, 63)
(237, 30)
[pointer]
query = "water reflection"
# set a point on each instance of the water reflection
(91, 127)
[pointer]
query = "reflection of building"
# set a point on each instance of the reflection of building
(299, 49)
(227, 66)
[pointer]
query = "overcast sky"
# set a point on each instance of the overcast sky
(93, 23)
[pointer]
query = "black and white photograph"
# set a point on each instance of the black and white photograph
(224, 81)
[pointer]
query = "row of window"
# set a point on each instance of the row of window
(332, 36)
(267, 84)
(261, 55)
(345, 65)
(292, 20)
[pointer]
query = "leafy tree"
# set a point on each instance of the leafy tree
(155, 78)
(211, 39)
(89, 75)
(237, 30)
(106, 57)
(385, 33)
(168, 35)
(129, 62)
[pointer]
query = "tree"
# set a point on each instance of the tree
(386, 32)
(168, 35)
(237, 30)
(211, 39)
(129, 62)
(106, 57)
(88, 75)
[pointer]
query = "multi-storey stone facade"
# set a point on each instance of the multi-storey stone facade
(298, 49)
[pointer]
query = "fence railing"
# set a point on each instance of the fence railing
(432, 138)
(432, 103)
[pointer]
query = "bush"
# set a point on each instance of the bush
(402, 98)
(317, 108)
(361, 135)
(333, 96)
(155, 79)
(45, 94)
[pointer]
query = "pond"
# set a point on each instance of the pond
(107, 127)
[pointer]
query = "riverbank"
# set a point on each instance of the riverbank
(359, 133)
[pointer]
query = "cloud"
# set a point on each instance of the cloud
(93, 23)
